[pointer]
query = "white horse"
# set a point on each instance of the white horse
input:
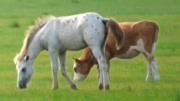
(59, 34)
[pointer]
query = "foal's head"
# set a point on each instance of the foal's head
(81, 69)
(24, 70)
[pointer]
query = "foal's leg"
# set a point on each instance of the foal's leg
(62, 58)
(54, 66)
(103, 68)
(152, 70)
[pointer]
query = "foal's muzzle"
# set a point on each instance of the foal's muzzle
(79, 77)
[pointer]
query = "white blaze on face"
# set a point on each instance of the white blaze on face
(79, 77)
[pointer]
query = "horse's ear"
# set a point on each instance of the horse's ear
(76, 60)
(26, 58)
(15, 59)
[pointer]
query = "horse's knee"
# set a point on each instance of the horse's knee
(103, 63)
(104, 67)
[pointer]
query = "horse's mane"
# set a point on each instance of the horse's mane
(30, 33)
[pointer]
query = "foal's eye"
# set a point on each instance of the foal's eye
(23, 70)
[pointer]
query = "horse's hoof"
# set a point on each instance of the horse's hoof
(106, 88)
(153, 81)
(74, 87)
(55, 88)
(101, 86)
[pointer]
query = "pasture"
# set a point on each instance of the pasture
(127, 77)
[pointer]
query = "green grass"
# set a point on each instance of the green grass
(127, 77)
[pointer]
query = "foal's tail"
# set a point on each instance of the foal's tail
(112, 26)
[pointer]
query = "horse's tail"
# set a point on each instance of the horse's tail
(112, 26)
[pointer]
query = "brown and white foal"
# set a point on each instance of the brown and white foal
(140, 37)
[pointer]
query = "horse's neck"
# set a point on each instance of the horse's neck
(34, 49)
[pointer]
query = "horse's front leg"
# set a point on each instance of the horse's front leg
(54, 66)
(62, 58)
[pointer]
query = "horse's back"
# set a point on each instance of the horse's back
(74, 32)
(88, 27)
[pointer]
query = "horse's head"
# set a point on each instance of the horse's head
(24, 71)
(81, 70)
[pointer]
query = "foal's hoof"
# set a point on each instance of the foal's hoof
(74, 87)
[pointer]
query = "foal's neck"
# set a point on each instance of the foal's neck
(88, 58)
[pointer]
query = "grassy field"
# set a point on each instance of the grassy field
(127, 77)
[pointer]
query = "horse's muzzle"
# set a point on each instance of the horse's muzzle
(22, 85)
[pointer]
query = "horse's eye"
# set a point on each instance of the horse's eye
(23, 70)
(75, 69)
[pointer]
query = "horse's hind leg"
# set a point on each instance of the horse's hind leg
(98, 75)
(103, 68)
(62, 59)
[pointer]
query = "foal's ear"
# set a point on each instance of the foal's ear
(76, 60)
(26, 58)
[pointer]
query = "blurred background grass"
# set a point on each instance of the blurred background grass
(127, 77)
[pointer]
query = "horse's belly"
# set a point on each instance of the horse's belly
(74, 46)
(73, 43)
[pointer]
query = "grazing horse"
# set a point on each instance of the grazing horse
(59, 34)
(140, 37)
